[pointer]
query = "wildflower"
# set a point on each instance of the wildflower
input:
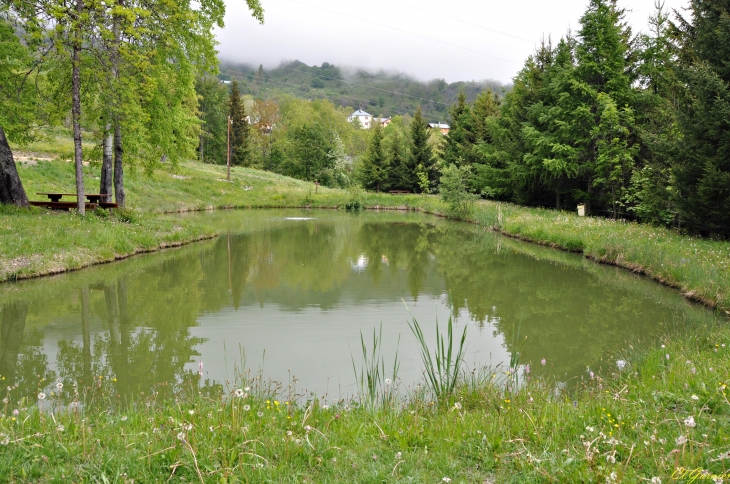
(41, 396)
(187, 427)
(542, 362)
(155, 430)
(690, 421)
(592, 375)
(445, 479)
(59, 386)
(260, 414)
(5, 440)
(681, 440)
(457, 405)
(16, 412)
(667, 356)
(325, 407)
(611, 459)
(298, 441)
(527, 369)
(387, 381)
(334, 459)
(656, 480)
(375, 457)
(73, 404)
(239, 393)
(246, 408)
(398, 455)
(191, 411)
(124, 418)
(308, 428)
(60, 428)
(611, 477)
(181, 436)
(246, 389)
(663, 346)
(621, 364)
(590, 429)
(695, 397)
(289, 433)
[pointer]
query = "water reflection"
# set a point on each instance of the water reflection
(298, 287)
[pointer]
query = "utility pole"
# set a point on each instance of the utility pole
(228, 162)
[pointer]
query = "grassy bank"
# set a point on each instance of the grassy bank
(665, 410)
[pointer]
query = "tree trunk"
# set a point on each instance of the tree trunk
(11, 189)
(201, 149)
(105, 184)
(118, 167)
(76, 111)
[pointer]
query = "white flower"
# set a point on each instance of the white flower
(694, 397)
(445, 479)
(73, 404)
(59, 385)
(260, 414)
(124, 418)
(187, 427)
(611, 478)
(181, 436)
(590, 429)
(690, 421)
(387, 381)
(308, 428)
(41, 396)
(621, 364)
(246, 389)
(60, 428)
(398, 455)
(239, 393)
(610, 459)
(289, 433)
(325, 407)
(681, 440)
(155, 430)
(5, 441)
(656, 480)
(667, 356)
(457, 405)
(246, 408)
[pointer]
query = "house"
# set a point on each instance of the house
(384, 122)
(364, 118)
(444, 128)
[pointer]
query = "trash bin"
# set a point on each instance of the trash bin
(581, 209)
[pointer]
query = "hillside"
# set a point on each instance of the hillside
(378, 93)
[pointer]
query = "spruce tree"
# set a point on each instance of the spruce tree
(702, 169)
(421, 155)
(374, 171)
(240, 128)
(459, 146)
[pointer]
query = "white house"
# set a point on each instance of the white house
(384, 122)
(444, 128)
(364, 118)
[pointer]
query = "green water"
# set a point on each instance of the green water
(286, 293)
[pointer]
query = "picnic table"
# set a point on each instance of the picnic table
(54, 201)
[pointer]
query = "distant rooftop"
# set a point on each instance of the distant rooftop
(438, 125)
(360, 112)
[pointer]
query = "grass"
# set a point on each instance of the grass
(666, 410)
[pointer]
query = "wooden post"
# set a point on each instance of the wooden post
(228, 162)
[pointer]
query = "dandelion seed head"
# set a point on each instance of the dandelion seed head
(681, 440)
(41, 396)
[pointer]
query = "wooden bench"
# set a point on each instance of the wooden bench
(399, 192)
(55, 203)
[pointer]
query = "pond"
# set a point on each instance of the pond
(287, 294)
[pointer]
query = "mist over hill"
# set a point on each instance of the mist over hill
(383, 93)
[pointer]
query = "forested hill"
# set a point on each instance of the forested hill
(378, 93)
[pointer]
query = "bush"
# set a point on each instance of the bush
(453, 190)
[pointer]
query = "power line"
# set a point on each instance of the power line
(405, 31)
(441, 15)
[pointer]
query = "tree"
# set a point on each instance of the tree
(374, 169)
(421, 154)
(240, 129)
(400, 175)
(459, 148)
(702, 167)
(213, 112)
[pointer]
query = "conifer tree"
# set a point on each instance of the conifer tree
(240, 128)
(702, 169)
(421, 153)
(459, 146)
(374, 171)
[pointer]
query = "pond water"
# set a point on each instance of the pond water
(287, 293)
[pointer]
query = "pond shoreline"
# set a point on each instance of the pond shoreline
(636, 268)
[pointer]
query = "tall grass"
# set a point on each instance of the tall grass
(443, 367)
(372, 379)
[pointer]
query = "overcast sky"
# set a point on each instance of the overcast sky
(451, 39)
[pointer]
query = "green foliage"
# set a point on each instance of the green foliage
(373, 380)
(240, 129)
(213, 112)
(453, 189)
(374, 169)
(421, 153)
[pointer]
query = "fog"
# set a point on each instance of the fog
(458, 40)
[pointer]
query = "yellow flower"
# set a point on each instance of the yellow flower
(276, 402)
